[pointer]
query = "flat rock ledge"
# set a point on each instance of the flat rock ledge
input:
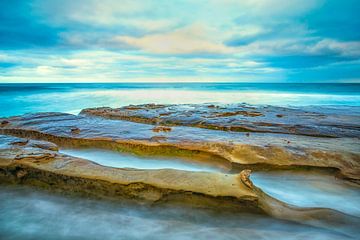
(39, 164)
(319, 122)
(259, 151)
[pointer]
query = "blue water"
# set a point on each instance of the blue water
(28, 213)
(16, 99)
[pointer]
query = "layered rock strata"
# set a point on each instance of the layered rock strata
(257, 151)
(319, 122)
(39, 163)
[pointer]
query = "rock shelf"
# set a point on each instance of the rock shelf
(38, 163)
(258, 151)
(253, 139)
(239, 118)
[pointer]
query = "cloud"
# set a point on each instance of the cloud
(131, 16)
(334, 47)
(191, 39)
(206, 39)
(112, 66)
(303, 46)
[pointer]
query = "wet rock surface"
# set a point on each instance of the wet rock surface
(38, 166)
(240, 118)
(50, 169)
(280, 139)
(255, 151)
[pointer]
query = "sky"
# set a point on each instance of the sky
(179, 41)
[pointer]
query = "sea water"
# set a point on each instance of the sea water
(16, 99)
(27, 213)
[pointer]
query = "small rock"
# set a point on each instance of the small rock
(247, 134)
(21, 173)
(158, 138)
(20, 143)
(279, 115)
(161, 129)
(245, 178)
(4, 123)
(75, 130)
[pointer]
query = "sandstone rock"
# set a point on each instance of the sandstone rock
(245, 178)
(75, 130)
(158, 138)
(240, 117)
(260, 151)
(4, 123)
(21, 173)
(161, 129)
(20, 143)
(199, 189)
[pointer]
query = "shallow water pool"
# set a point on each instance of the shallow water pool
(310, 189)
(121, 160)
(300, 188)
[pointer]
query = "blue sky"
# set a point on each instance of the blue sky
(179, 40)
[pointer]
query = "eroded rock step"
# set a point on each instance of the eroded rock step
(256, 151)
(299, 188)
(322, 122)
(38, 163)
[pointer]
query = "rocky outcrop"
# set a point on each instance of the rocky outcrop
(28, 164)
(245, 178)
(321, 122)
(32, 165)
(161, 129)
(256, 151)
(281, 138)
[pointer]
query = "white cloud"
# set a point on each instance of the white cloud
(330, 46)
(112, 66)
(45, 70)
(130, 39)
(191, 39)
(249, 30)
(300, 46)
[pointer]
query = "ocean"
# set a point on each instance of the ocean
(17, 99)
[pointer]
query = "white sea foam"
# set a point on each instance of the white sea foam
(72, 101)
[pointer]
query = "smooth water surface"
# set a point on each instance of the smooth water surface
(300, 188)
(310, 189)
(27, 213)
(121, 160)
(17, 99)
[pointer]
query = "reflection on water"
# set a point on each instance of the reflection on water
(310, 189)
(300, 188)
(121, 160)
(26, 213)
